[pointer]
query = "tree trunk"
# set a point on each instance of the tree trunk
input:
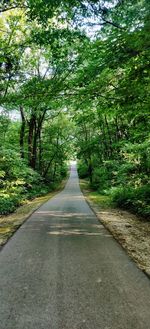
(30, 140)
(109, 136)
(90, 170)
(103, 138)
(40, 153)
(22, 132)
(48, 166)
(54, 172)
(35, 141)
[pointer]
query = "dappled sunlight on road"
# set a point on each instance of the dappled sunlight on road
(63, 214)
(67, 229)
(77, 232)
(64, 225)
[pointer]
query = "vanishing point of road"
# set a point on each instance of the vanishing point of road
(63, 270)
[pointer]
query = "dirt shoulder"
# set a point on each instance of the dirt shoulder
(10, 223)
(131, 232)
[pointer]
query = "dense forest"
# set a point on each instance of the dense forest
(75, 83)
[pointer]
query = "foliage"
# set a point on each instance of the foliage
(134, 199)
(17, 181)
(82, 169)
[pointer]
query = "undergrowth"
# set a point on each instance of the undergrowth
(19, 183)
(120, 185)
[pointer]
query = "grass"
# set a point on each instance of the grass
(104, 201)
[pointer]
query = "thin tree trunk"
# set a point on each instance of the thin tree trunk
(30, 140)
(34, 152)
(104, 139)
(48, 166)
(90, 170)
(109, 136)
(40, 152)
(22, 132)
(54, 173)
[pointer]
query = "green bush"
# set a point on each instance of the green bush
(134, 199)
(101, 178)
(82, 169)
(64, 170)
(8, 203)
(17, 181)
(105, 175)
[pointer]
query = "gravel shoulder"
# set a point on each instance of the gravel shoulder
(132, 232)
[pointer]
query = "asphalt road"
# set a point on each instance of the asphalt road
(63, 270)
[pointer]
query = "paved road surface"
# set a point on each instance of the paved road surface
(63, 270)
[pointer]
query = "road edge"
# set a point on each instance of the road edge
(93, 208)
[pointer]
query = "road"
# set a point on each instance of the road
(63, 270)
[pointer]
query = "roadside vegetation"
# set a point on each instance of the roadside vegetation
(19, 182)
(109, 192)
(102, 200)
(75, 82)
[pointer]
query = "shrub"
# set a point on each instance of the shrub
(105, 175)
(64, 170)
(17, 181)
(82, 169)
(101, 178)
(134, 199)
(8, 203)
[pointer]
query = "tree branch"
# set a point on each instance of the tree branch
(11, 8)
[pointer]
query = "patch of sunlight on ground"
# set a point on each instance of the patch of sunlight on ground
(5, 230)
(101, 200)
